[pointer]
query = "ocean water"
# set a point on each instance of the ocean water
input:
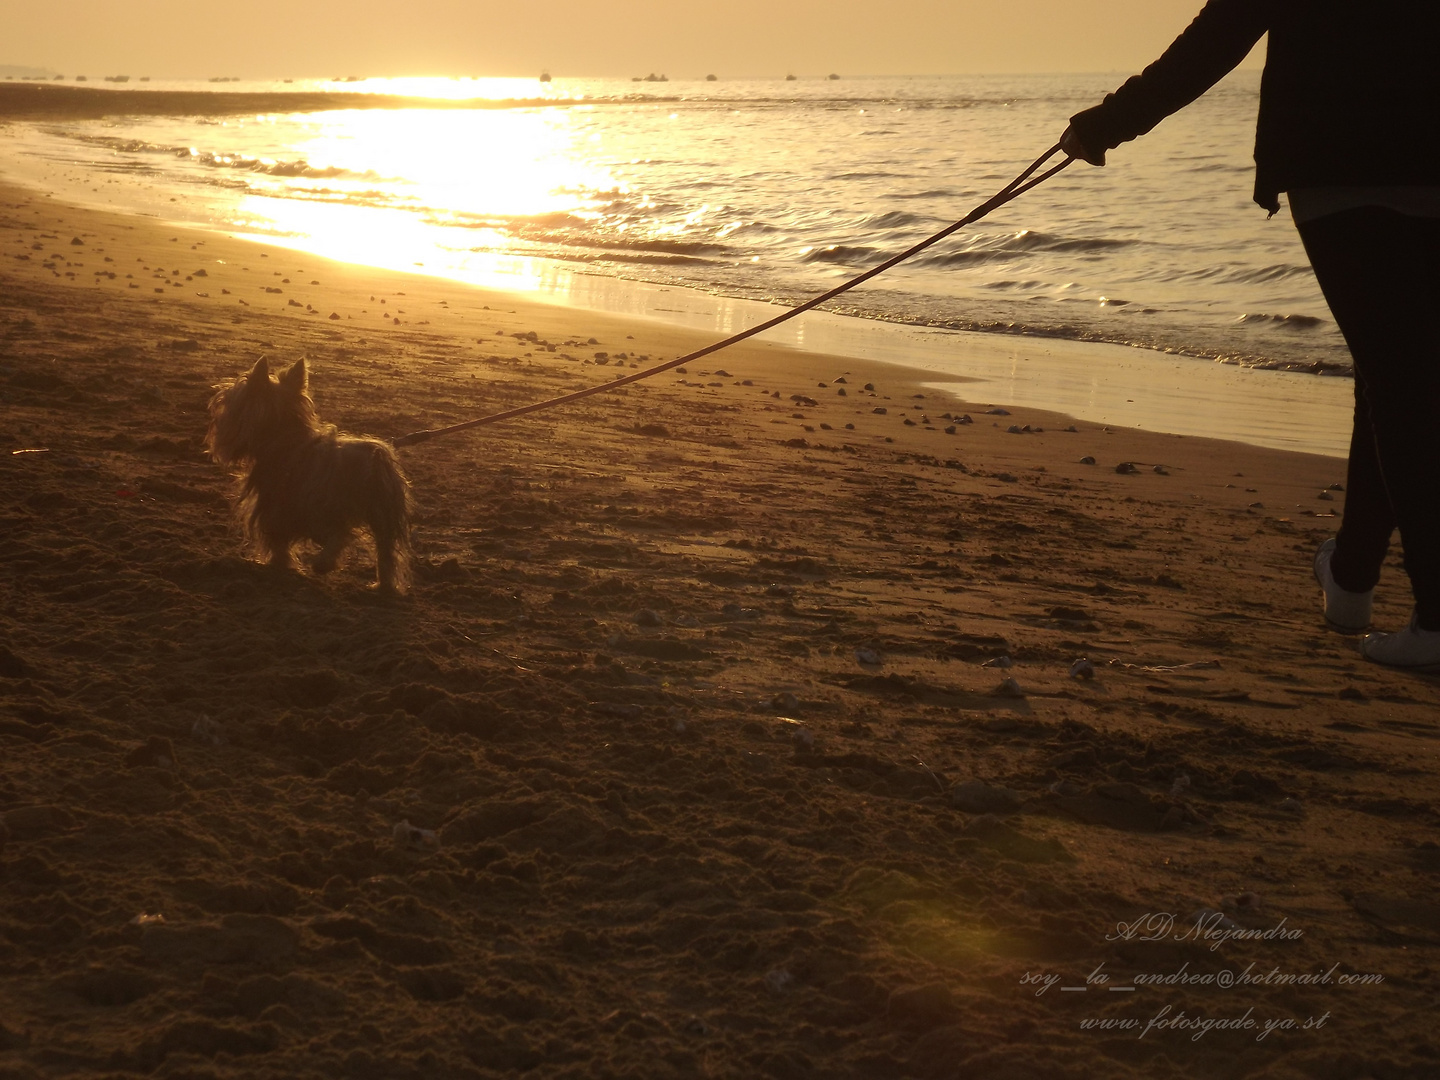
(764, 190)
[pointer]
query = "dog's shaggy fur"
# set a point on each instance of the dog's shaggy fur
(305, 480)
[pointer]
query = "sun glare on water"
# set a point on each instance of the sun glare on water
(442, 189)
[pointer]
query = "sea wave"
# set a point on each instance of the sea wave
(936, 193)
(895, 219)
(293, 169)
(1289, 322)
(1033, 240)
(1266, 274)
(1005, 246)
(849, 254)
(869, 175)
(640, 258)
(1228, 273)
(668, 247)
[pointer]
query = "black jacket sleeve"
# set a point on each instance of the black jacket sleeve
(1214, 43)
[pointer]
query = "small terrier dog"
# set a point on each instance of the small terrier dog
(305, 480)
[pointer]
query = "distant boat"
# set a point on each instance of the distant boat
(711, 78)
(144, 78)
(544, 76)
(652, 77)
(789, 78)
(117, 78)
(833, 77)
(80, 78)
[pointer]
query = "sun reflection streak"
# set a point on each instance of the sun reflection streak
(384, 238)
(432, 189)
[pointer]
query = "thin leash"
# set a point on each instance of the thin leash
(1012, 190)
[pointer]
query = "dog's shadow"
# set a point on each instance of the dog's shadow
(249, 590)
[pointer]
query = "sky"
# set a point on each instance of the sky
(682, 38)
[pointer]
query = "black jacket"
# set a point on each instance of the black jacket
(1350, 94)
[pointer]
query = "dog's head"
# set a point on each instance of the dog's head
(258, 409)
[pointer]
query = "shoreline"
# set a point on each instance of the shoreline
(1098, 382)
(1112, 385)
(681, 755)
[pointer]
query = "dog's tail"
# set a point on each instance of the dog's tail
(390, 520)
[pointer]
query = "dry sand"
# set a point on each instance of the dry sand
(614, 792)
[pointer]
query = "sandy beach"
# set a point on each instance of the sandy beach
(690, 751)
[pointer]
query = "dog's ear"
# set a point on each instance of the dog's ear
(297, 379)
(260, 372)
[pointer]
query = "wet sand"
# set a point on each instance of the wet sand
(681, 757)
(1108, 384)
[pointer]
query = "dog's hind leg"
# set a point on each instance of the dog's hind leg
(392, 550)
(277, 547)
(387, 513)
(330, 551)
(388, 569)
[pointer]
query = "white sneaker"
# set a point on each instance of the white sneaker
(1410, 648)
(1344, 610)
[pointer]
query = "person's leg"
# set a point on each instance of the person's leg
(1368, 520)
(1347, 566)
(1380, 273)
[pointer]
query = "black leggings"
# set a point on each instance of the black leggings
(1380, 273)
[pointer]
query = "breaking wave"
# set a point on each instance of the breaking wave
(239, 162)
(1289, 322)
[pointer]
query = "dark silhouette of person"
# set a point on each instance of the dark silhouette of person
(1349, 130)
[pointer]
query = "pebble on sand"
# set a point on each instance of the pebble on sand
(778, 981)
(208, 731)
(407, 835)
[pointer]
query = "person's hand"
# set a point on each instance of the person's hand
(1070, 144)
